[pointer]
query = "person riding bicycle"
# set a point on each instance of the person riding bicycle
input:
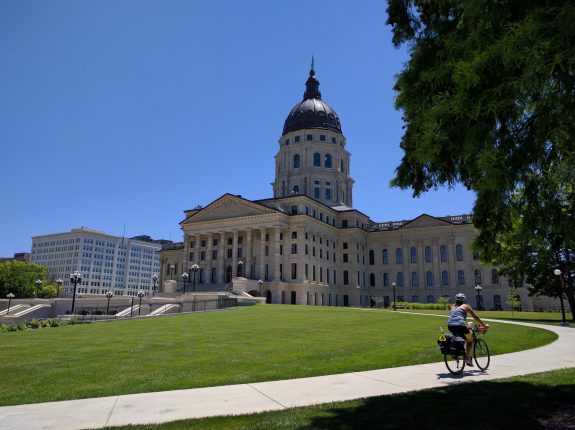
(457, 323)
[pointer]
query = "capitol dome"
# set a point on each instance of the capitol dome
(312, 112)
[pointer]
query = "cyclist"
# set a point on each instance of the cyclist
(457, 323)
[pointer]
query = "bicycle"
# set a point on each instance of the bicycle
(453, 349)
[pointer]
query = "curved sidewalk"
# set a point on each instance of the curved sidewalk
(147, 408)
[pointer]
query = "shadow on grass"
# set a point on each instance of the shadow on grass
(488, 405)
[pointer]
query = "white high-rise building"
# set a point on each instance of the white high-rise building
(107, 263)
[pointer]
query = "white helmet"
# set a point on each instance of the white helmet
(460, 298)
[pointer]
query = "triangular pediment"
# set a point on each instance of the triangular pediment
(424, 221)
(226, 207)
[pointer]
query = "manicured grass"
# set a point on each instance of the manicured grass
(552, 318)
(538, 401)
(251, 344)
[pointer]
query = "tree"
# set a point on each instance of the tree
(488, 100)
(513, 300)
(19, 278)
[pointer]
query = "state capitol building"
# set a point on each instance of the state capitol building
(309, 245)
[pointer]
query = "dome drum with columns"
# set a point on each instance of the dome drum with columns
(309, 246)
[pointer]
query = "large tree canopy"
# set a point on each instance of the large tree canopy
(488, 100)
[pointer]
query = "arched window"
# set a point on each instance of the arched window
(459, 252)
(444, 278)
(371, 257)
(429, 278)
(430, 299)
(494, 276)
(398, 256)
(399, 279)
(295, 189)
(477, 276)
(460, 277)
(384, 256)
(327, 161)
(428, 255)
(296, 161)
(371, 280)
(443, 253)
(413, 254)
(317, 159)
(414, 280)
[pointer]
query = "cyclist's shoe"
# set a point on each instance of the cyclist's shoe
(469, 362)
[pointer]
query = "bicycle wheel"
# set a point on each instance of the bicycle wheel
(481, 354)
(455, 363)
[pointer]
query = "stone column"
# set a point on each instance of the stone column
(248, 261)
(277, 256)
(451, 263)
(262, 254)
(300, 255)
(435, 263)
(209, 259)
(222, 258)
(235, 254)
(186, 262)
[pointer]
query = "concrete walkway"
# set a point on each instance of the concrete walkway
(267, 396)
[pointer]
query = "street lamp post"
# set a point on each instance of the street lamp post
(260, 283)
(140, 295)
(131, 307)
(172, 268)
(9, 296)
(155, 279)
(393, 285)
(59, 283)
(195, 269)
(75, 278)
(38, 286)
(109, 295)
(185, 277)
(564, 322)
(478, 291)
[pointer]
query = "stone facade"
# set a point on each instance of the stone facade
(309, 246)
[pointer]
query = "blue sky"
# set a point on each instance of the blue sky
(126, 113)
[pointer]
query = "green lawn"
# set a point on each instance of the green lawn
(249, 344)
(553, 318)
(533, 402)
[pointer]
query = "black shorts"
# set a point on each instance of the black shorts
(460, 330)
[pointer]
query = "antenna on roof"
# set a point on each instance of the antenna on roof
(312, 62)
(124, 233)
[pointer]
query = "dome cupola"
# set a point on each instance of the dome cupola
(312, 111)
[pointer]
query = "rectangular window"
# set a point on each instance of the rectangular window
(316, 193)
(343, 223)
(192, 256)
(328, 194)
(214, 276)
(267, 251)
(214, 254)
(333, 140)
(294, 210)
(294, 234)
(202, 255)
(296, 139)
(294, 248)
(240, 252)
(215, 242)
(345, 277)
(322, 137)
(281, 249)
(294, 271)
(203, 243)
(313, 273)
(230, 241)
(240, 240)
(309, 137)
(229, 253)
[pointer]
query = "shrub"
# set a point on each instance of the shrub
(35, 323)
(45, 323)
(55, 322)
(13, 327)
(22, 325)
(3, 328)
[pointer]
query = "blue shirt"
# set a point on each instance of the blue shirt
(457, 316)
